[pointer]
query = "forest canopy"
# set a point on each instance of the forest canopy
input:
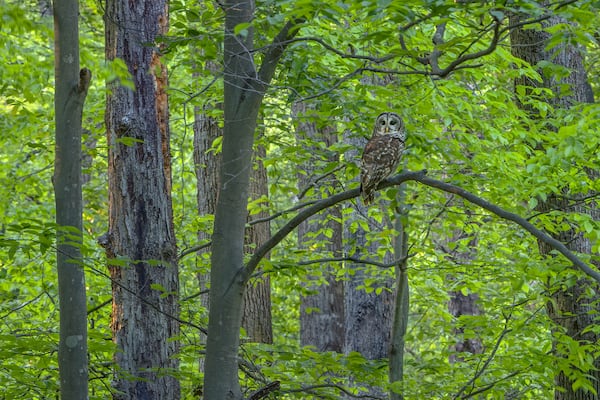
(220, 217)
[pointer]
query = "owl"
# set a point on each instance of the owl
(381, 154)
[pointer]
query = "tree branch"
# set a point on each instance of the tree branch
(311, 389)
(529, 227)
(355, 260)
(275, 51)
(418, 176)
(264, 391)
(435, 70)
(310, 211)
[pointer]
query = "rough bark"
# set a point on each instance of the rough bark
(256, 314)
(141, 244)
(206, 131)
(321, 313)
(368, 315)
(71, 88)
(458, 306)
(572, 308)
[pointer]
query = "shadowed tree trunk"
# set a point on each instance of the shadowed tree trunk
(368, 315)
(71, 88)
(206, 159)
(402, 295)
(321, 313)
(573, 308)
(256, 315)
(462, 304)
(141, 244)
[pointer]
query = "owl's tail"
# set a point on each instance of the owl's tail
(367, 194)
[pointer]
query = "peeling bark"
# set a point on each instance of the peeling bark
(141, 244)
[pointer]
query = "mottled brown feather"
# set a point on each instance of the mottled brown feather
(381, 156)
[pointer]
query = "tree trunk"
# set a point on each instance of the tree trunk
(71, 89)
(141, 244)
(458, 306)
(462, 304)
(227, 281)
(368, 315)
(321, 313)
(256, 315)
(402, 296)
(572, 308)
(244, 89)
(206, 131)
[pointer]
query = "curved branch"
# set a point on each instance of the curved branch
(418, 176)
(312, 210)
(470, 56)
(528, 226)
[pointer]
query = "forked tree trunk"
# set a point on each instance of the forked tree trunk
(244, 88)
(256, 318)
(71, 89)
(573, 309)
(141, 244)
(321, 313)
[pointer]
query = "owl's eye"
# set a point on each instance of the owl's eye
(392, 122)
(382, 122)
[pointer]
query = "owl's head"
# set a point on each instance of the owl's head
(389, 123)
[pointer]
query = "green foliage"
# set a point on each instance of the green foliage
(464, 128)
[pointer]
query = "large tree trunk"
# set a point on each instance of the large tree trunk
(572, 308)
(71, 89)
(368, 315)
(321, 313)
(141, 242)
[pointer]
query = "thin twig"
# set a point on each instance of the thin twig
(487, 362)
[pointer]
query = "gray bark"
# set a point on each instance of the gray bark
(402, 295)
(244, 89)
(571, 308)
(256, 315)
(206, 131)
(322, 326)
(141, 244)
(368, 315)
(71, 89)
(459, 303)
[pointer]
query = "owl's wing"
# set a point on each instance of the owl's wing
(383, 151)
(380, 158)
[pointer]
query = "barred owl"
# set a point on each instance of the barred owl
(381, 154)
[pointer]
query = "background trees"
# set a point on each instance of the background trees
(453, 83)
(71, 86)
